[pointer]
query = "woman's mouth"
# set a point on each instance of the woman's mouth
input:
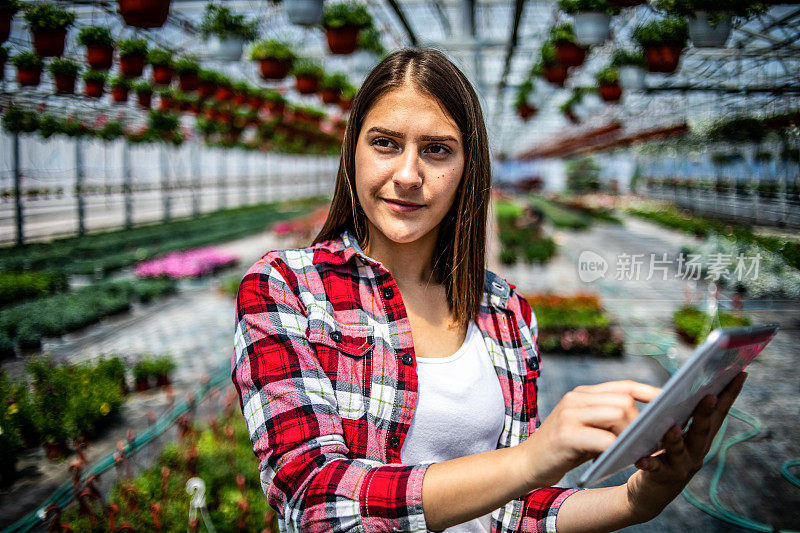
(402, 207)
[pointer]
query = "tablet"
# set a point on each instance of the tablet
(713, 365)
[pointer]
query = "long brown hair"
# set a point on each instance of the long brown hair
(460, 252)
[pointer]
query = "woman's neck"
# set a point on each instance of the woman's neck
(409, 263)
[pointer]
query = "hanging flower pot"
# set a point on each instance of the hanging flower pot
(662, 42)
(343, 40)
(591, 28)
(188, 71)
(704, 34)
(610, 92)
(48, 25)
(99, 56)
(303, 12)
(6, 14)
(49, 43)
(29, 69)
(65, 84)
(162, 74)
(223, 92)
(662, 57)
(226, 32)
(144, 95)
(570, 54)
(64, 72)
(94, 83)
(307, 75)
(555, 74)
(166, 101)
(227, 49)
(631, 77)
(329, 96)
(343, 21)
(144, 13)
(306, 84)
(205, 87)
(345, 104)
(274, 69)
(119, 94)
(526, 110)
(132, 57)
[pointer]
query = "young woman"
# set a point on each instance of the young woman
(388, 380)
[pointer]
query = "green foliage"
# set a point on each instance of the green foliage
(518, 237)
(16, 287)
(153, 366)
(64, 67)
(187, 65)
(608, 75)
(128, 47)
(583, 175)
(307, 67)
(230, 284)
(523, 92)
(559, 216)
(348, 13)
(95, 35)
(160, 57)
(48, 17)
(272, 49)
(739, 129)
(694, 325)
(10, 437)
(9, 6)
(121, 82)
(112, 131)
(274, 96)
(563, 33)
(143, 87)
(220, 21)
(27, 60)
(669, 30)
(571, 7)
(17, 120)
(95, 75)
(622, 57)
(547, 53)
(369, 39)
(337, 81)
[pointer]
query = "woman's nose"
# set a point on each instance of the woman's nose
(409, 172)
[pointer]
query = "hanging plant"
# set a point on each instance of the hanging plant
(224, 89)
(48, 25)
(275, 102)
(549, 67)
(303, 12)
(132, 57)
(369, 40)
(346, 98)
(274, 58)
(99, 47)
(29, 69)
(342, 22)
(120, 88)
(331, 87)
(144, 94)
(255, 99)
(7, 10)
(631, 69)
(64, 72)
(567, 108)
(163, 68)
(188, 71)
(226, 33)
(608, 84)
(568, 52)
(592, 19)
(166, 100)
(525, 109)
(94, 83)
(3, 59)
(241, 90)
(206, 83)
(710, 22)
(662, 41)
(307, 74)
(144, 13)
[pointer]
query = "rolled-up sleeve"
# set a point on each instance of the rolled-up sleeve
(290, 409)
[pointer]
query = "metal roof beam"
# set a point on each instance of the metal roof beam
(404, 21)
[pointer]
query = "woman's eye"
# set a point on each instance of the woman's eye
(442, 149)
(381, 140)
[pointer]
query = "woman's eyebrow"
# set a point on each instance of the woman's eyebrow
(421, 137)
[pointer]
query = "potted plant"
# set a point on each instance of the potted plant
(48, 25)
(274, 58)
(188, 71)
(662, 41)
(608, 84)
(549, 67)
(226, 33)
(3, 59)
(94, 83)
(255, 99)
(161, 367)
(144, 94)
(141, 375)
(144, 13)
(307, 73)
(120, 87)
(206, 83)
(132, 57)
(524, 108)
(346, 97)
(275, 102)
(224, 89)
(568, 52)
(241, 90)
(99, 47)
(630, 66)
(567, 108)
(303, 12)
(369, 40)
(331, 87)
(163, 67)
(64, 72)
(166, 100)
(342, 22)
(29, 69)
(7, 10)
(710, 21)
(592, 19)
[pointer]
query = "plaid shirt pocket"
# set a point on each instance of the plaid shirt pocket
(345, 353)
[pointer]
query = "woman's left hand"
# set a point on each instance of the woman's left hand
(663, 475)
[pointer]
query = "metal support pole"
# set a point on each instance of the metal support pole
(164, 170)
(17, 190)
(243, 178)
(194, 156)
(223, 171)
(127, 184)
(79, 176)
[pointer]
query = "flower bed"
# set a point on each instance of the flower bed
(559, 216)
(575, 324)
(186, 264)
(303, 229)
(692, 324)
(520, 235)
(16, 287)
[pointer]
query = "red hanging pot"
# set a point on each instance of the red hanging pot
(239, 99)
(342, 40)
(255, 102)
(5, 24)
(64, 84)
(306, 84)
(162, 74)
(188, 81)
(276, 108)
(99, 56)
(29, 76)
(610, 92)
(526, 111)
(223, 93)
(119, 94)
(555, 74)
(93, 88)
(144, 13)
(50, 42)
(662, 57)
(145, 100)
(329, 96)
(570, 54)
(206, 89)
(274, 69)
(166, 103)
(345, 104)
(131, 65)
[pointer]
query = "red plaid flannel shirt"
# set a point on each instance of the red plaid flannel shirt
(324, 366)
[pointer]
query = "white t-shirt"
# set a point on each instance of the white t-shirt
(460, 411)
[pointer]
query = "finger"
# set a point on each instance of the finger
(698, 437)
(677, 454)
(639, 391)
(612, 418)
(623, 401)
(726, 399)
(592, 441)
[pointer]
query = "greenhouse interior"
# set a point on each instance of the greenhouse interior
(644, 191)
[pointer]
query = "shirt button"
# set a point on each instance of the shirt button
(394, 441)
(407, 359)
(388, 293)
(533, 364)
(336, 336)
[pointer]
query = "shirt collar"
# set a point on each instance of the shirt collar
(341, 251)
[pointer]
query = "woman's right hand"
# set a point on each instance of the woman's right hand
(581, 426)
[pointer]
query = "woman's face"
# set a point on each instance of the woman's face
(408, 164)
